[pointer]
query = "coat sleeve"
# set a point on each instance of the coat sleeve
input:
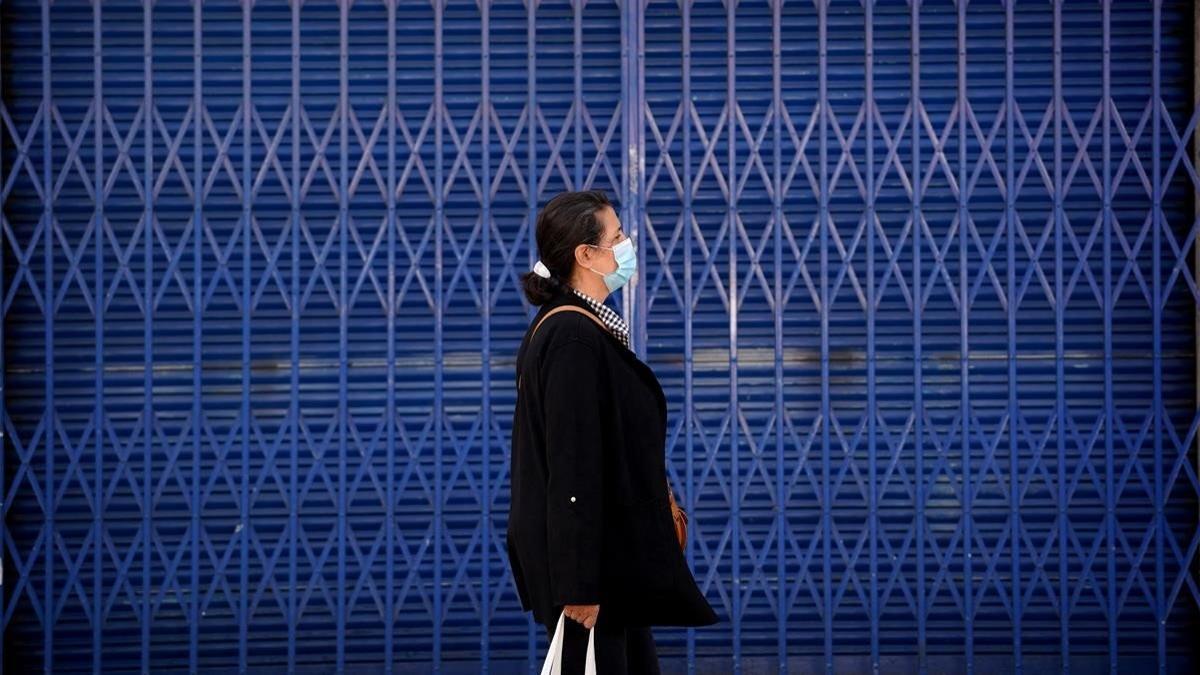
(574, 441)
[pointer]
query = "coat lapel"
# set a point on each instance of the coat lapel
(644, 371)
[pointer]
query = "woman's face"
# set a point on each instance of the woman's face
(603, 259)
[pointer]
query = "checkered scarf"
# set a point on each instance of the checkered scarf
(611, 319)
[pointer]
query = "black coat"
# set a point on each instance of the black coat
(591, 520)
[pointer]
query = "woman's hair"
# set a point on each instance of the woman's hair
(566, 221)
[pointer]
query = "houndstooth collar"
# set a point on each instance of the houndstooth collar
(611, 319)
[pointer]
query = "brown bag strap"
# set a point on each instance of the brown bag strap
(571, 308)
(561, 309)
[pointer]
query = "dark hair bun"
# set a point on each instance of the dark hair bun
(540, 290)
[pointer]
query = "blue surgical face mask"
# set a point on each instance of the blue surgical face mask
(626, 257)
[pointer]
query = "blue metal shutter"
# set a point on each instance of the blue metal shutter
(901, 442)
(342, 524)
(310, 470)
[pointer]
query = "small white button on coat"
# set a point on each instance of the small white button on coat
(572, 499)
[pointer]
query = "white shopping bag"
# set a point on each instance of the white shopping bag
(553, 664)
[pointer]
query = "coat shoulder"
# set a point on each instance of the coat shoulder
(567, 327)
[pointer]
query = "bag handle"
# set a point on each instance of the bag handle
(553, 662)
(556, 310)
(572, 308)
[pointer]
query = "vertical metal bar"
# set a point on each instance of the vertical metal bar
(531, 194)
(643, 306)
(389, 622)
(343, 312)
(777, 139)
(294, 407)
(689, 299)
(731, 215)
(638, 116)
(50, 594)
(197, 341)
(1195, 198)
(968, 486)
(1010, 232)
(440, 317)
(633, 296)
(99, 304)
(577, 101)
(872, 402)
(918, 386)
(4, 502)
(247, 310)
(1109, 459)
(826, 414)
(629, 122)
(485, 108)
(628, 148)
(1060, 310)
(148, 302)
(1157, 224)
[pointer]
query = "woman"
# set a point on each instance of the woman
(590, 531)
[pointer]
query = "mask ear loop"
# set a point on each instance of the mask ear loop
(610, 248)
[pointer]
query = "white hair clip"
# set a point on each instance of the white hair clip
(541, 270)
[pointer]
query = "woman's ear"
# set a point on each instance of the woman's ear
(583, 255)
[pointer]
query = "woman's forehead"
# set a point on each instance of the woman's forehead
(608, 218)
